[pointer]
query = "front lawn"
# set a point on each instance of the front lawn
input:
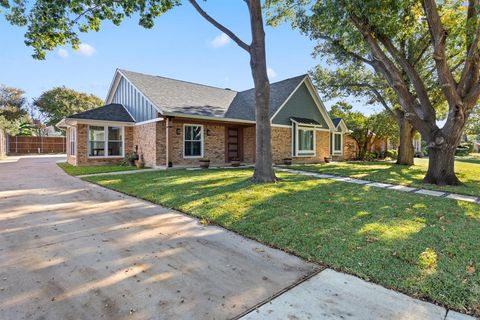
(81, 170)
(467, 169)
(423, 246)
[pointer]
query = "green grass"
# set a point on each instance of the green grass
(423, 246)
(467, 169)
(81, 170)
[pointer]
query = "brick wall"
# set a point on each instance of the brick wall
(213, 139)
(282, 146)
(144, 138)
(350, 148)
(82, 147)
(249, 144)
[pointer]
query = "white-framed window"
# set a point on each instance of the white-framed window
(304, 141)
(337, 143)
(73, 141)
(105, 141)
(192, 141)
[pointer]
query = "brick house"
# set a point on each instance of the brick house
(175, 123)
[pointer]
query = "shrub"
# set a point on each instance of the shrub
(462, 151)
(392, 153)
(370, 156)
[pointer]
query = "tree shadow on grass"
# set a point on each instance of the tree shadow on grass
(416, 244)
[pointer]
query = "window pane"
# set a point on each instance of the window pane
(197, 133)
(338, 142)
(114, 133)
(97, 148)
(115, 148)
(305, 140)
(188, 133)
(96, 133)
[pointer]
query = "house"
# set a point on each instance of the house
(175, 123)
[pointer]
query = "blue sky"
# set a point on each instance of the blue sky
(182, 45)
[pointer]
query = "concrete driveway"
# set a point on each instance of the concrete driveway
(72, 250)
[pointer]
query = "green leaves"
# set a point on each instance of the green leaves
(57, 23)
(61, 101)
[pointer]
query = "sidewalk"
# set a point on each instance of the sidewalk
(397, 187)
(335, 295)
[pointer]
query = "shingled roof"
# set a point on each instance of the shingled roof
(243, 106)
(336, 121)
(109, 112)
(178, 96)
(171, 95)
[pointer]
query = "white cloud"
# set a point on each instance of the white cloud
(271, 73)
(84, 49)
(62, 53)
(220, 40)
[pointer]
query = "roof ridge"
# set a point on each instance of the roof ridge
(287, 79)
(179, 80)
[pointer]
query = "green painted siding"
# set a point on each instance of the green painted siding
(300, 105)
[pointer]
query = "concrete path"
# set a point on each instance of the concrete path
(73, 250)
(333, 295)
(432, 193)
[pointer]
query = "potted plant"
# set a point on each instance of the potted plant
(235, 162)
(130, 158)
(140, 162)
(287, 161)
(204, 163)
(328, 159)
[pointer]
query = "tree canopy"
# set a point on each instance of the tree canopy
(13, 113)
(422, 49)
(60, 102)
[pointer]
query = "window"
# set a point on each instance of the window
(73, 140)
(104, 141)
(193, 141)
(304, 141)
(115, 141)
(337, 142)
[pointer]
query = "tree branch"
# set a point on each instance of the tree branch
(439, 37)
(219, 26)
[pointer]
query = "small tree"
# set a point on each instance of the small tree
(60, 102)
(53, 23)
(12, 109)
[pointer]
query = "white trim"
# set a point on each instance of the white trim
(201, 140)
(149, 121)
(191, 116)
(70, 135)
(100, 122)
(305, 153)
(316, 99)
(113, 87)
(126, 109)
(140, 91)
(288, 98)
(343, 126)
(105, 143)
(336, 151)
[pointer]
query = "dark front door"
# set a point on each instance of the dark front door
(234, 144)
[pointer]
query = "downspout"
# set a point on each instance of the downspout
(168, 126)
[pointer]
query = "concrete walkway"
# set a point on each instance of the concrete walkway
(427, 192)
(333, 295)
(73, 250)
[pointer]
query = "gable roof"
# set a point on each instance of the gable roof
(243, 106)
(171, 95)
(336, 121)
(109, 112)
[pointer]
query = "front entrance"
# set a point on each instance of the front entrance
(234, 142)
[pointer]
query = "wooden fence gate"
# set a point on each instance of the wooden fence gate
(38, 145)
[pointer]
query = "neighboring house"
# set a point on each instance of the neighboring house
(174, 123)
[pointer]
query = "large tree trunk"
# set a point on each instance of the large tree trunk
(441, 166)
(263, 149)
(406, 152)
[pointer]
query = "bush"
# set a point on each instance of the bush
(370, 156)
(462, 151)
(392, 153)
